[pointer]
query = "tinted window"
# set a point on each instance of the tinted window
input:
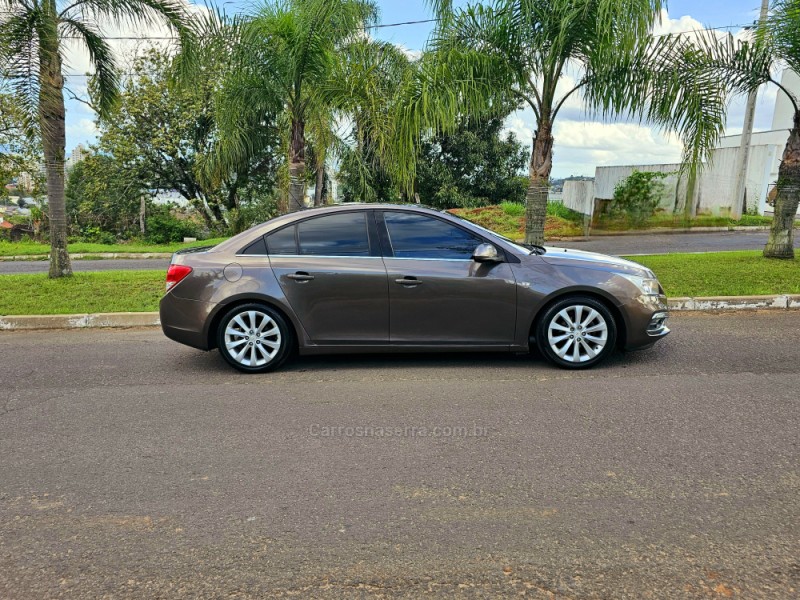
(257, 247)
(418, 236)
(282, 242)
(335, 235)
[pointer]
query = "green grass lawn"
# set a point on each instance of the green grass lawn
(28, 248)
(724, 274)
(712, 274)
(106, 291)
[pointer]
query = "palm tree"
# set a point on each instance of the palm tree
(621, 68)
(743, 66)
(284, 55)
(32, 39)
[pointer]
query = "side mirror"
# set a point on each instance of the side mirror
(486, 253)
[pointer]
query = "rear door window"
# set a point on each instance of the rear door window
(343, 234)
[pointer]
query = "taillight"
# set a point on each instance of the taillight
(175, 275)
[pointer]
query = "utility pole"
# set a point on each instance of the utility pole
(739, 205)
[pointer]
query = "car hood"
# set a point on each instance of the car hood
(592, 260)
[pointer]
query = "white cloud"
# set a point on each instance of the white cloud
(82, 128)
(683, 24)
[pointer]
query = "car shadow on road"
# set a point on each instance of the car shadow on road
(489, 361)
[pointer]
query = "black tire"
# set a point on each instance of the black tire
(587, 332)
(261, 353)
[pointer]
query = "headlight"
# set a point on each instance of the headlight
(648, 285)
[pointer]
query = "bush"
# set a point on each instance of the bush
(95, 235)
(638, 196)
(162, 227)
(250, 214)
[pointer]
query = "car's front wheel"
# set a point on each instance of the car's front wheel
(576, 332)
(254, 338)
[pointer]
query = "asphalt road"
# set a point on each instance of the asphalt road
(674, 242)
(132, 467)
(125, 264)
(618, 244)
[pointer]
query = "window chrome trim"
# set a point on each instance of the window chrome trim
(345, 256)
(421, 258)
(309, 256)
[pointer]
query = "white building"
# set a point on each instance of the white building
(78, 153)
(716, 184)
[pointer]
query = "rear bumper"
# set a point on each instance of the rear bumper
(185, 321)
(646, 321)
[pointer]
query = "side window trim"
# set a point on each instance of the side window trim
(383, 233)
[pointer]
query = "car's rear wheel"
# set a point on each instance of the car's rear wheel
(576, 332)
(254, 338)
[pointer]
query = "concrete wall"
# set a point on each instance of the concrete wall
(579, 196)
(715, 186)
(776, 137)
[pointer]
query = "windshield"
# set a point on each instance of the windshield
(525, 248)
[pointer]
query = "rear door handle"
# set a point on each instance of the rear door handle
(408, 281)
(301, 276)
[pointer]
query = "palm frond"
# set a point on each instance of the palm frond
(102, 59)
(19, 61)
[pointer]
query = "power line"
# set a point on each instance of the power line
(143, 38)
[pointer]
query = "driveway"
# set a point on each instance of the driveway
(133, 467)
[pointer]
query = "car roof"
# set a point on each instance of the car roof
(236, 242)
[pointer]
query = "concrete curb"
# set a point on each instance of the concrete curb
(129, 319)
(725, 303)
(151, 319)
(91, 256)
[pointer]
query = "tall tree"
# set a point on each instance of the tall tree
(743, 66)
(366, 90)
(32, 34)
(20, 147)
(528, 47)
(165, 133)
(284, 55)
(473, 166)
(104, 198)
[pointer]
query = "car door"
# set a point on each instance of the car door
(437, 293)
(331, 272)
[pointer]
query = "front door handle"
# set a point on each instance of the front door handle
(301, 276)
(408, 281)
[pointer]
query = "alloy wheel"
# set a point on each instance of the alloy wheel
(577, 333)
(252, 338)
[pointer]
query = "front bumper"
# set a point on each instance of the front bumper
(646, 321)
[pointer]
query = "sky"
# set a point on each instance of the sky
(581, 141)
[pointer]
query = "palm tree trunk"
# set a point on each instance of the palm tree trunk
(51, 121)
(539, 185)
(781, 236)
(320, 184)
(297, 166)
